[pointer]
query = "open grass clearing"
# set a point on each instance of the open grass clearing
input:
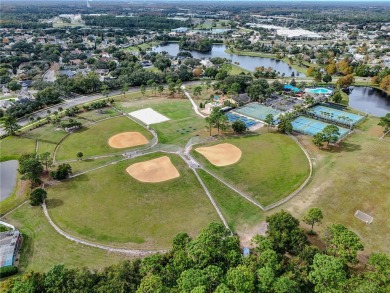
(12, 147)
(109, 206)
(239, 212)
(95, 115)
(353, 177)
(271, 166)
(43, 247)
(87, 164)
(46, 133)
(93, 139)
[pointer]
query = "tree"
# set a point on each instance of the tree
(125, 89)
(380, 268)
(327, 274)
(172, 88)
(143, 89)
(239, 126)
(30, 168)
(197, 91)
(284, 232)
(385, 122)
(331, 133)
(151, 283)
(80, 156)
(327, 78)
(337, 97)
(313, 216)
(285, 125)
(160, 89)
(345, 81)
(46, 160)
(104, 90)
(319, 139)
(10, 125)
(37, 197)
(241, 279)
(63, 171)
(13, 85)
(343, 243)
(269, 119)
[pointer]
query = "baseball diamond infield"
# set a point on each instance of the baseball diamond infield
(127, 139)
(153, 171)
(220, 155)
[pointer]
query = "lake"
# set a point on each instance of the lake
(370, 100)
(246, 62)
(8, 174)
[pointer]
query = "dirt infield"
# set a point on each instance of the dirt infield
(153, 171)
(223, 154)
(126, 140)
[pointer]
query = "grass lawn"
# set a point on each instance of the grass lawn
(87, 164)
(109, 206)
(236, 70)
(143, 46)
(353, 177)
(93, 140)
(12, 147)
(179, 111)
(237, 210)
(95, 115)
(43, 247)
(250, 53)
(271, 166)
(47, 133)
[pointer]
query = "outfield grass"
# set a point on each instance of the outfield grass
(109, 206)
(271, 166)
(43, 247)
(93, 140)
(179, 111)
(353, 177)
(12, 147)
(238, 211)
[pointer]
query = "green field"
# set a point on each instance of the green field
(271, 166)
(43, 247)
(238, 211)
(109, 206)
(92, 140)
(179, 111)
(12, 147)
(353, 177)
(95, 115)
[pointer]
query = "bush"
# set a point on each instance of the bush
(8, 271)
(63, 171)
(37, 197)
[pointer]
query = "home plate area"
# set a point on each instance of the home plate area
(149, 116)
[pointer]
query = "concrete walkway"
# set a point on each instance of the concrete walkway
(194, 106)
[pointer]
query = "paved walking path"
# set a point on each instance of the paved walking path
(194, 106)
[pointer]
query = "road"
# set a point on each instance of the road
(78, 101)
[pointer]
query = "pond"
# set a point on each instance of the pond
(8, 175)
(370, 100)
(246, 62)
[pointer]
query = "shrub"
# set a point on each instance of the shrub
(8, 271)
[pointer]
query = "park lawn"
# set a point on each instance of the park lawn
(92, 140)
(43, 247)
(47, 133)
(353, 177)
(87, 164)
(44, 147)
(143, 46)
(12, 147)
(271, 167)
(250, 53)
(239, 212)
(109, 206)
(236, 70)
(95, 115)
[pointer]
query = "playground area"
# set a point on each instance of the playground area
(257, 111)
(127, 140)
(153, 171)
(311, 127)
(220, 155)
(335, 115)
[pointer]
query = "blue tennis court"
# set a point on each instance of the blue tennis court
(257, 111)
(248, 122)
(336, 115)
(311, 126)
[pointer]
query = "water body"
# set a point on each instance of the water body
(370, 100)
(246, 62)
(8, 174)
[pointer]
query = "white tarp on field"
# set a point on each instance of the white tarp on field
(149, 116)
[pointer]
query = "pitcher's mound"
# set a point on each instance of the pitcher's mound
(126, 140)
(223, 154)
(156, 170)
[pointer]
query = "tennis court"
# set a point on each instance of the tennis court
(336, 115)
(248, 122)
(257, 111)
(311, 127)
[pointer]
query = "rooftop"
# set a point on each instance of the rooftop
(9, 246)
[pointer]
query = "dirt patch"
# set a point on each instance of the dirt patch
(126, 140)
(223, 154)
(247, 233)
(153, 171)
(376, 131)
